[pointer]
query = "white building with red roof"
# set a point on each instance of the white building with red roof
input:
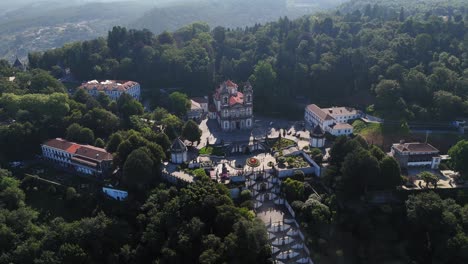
(114, 89)
(333, 120)
(416, 154)
(234, 109)
(85, 159)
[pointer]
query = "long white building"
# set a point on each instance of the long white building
(333, 120)
(84, 159)
(114, 89)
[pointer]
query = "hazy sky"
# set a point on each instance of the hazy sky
(19, 3)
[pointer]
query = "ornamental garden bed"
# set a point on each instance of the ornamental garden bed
(212, 151)
(280, 143)
(293, 162)
(253, 162)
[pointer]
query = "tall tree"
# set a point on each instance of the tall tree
(191, 131)
(459, 157)
(179, 103)
(138, 170)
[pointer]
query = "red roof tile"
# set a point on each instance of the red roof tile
(238, 99)
(72, 149)
(93, 153)
(62, 144)
(319, 112)
(230, 83)
(416, 147)
(86, 151)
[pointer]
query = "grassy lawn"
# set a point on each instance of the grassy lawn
(210, 150)
(380, 134)
(363, 129)
(384, 136)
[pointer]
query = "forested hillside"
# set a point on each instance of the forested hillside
(418, 7)
(398, 66)
(49, 24)
(29, 25)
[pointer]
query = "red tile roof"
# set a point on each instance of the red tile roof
(86, 151)
(93, 153)
(238, 99)
(73, 148)
(230, 83)
(416, 147)
(109, 85)
(62, 144)
(319, 112)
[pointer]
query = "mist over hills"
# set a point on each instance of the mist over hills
(27, 25)
(36, 25)
(227, 13)
(49, 24)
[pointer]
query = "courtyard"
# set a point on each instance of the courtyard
(294, 130)
(446, 179)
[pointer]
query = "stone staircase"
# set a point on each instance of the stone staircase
(286, 239)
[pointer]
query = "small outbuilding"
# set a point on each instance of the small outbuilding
(178, 152)
(317, 137)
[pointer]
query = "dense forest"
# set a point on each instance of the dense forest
(199, 223)
(413, 7)
(396, 66)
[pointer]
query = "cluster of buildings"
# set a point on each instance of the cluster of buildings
(112, 88)
(333, 120)
(83, 159)
(233, 110)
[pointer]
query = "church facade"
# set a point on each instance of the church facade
(234, 109)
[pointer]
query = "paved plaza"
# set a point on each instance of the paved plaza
(211, 132)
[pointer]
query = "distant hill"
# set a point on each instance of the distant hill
(437, 7)
(228, 13)
(48, 24)
(35, 25)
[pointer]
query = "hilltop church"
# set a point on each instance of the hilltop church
(233, 109)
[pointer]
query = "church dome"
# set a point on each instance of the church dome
(318, 132)
(178, 146)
